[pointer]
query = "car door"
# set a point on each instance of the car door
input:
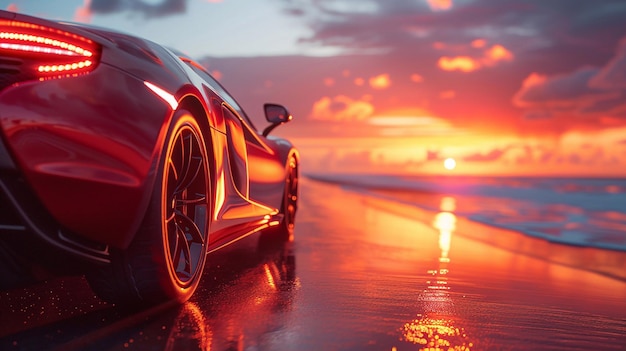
(256, 169)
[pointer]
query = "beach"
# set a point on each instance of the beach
(365, 272)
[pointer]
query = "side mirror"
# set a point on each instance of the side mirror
(276, 115)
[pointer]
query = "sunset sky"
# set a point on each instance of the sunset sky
(505, 87)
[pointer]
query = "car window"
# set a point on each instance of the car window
(220, 90)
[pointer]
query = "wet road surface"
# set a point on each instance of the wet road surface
(358, 276)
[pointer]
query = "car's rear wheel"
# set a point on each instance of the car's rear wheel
(284, 231)
(166, 258)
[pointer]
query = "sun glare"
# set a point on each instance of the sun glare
(449, 164)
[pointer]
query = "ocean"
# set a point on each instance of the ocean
(584, 212)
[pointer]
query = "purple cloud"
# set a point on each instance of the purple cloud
(613, 75)
(492, 155)
(560, 90)
(402, 25)
(588, 91)
(163, 8)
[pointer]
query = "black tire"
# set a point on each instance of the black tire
(283, 232)
(167, 256)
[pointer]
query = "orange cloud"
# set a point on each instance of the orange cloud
(479, 43)
(534, 79)
(459, 63)
(439, 5)
(12, 8)
(496, 54)
(341, 108)
(491, 57)
(411, 122)
(439, 45)
(83, 13)
(359, 82)
(417, 78)
(329, 82)
(217, 74)
(381, 81)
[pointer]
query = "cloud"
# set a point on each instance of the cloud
(556, 28)
(217, 74)
(341, 109)
(416, 78)
(590, 91)
(439, 5)
(459, 63)
(12, 7)
(493, 155)
(496, 54)
(479, 43)
(381, 81)
(613, 75)
(420, 123)
(148, 9)
(490, 57)
(83, 13)
(564, 90)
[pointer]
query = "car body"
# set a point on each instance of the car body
(127, 161)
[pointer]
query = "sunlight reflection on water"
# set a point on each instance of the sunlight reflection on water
(438, 328)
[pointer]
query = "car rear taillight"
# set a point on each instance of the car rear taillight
(30, 51)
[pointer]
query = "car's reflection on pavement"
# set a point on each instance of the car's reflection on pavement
(251, 299)
(241, 289)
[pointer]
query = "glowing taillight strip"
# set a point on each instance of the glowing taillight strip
(65, 48)
(65, 67)
(37, 27)
(80, 52)
(38, 49)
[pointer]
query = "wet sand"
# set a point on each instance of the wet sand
(406, 279)
(362, 274)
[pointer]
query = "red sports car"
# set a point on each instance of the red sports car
(128, 162)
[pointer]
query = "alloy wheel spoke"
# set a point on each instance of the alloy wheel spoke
(172, 169)
(192, 171)
(175, 241)
(185, 253)
(190, 228)
(200, 199)
(171, 217)
(188, 166)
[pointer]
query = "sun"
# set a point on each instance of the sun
(449, 163)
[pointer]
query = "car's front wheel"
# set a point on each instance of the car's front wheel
(166, 258)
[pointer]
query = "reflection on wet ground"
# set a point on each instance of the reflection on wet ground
(358, 277)
(244, 284)
(437, 328)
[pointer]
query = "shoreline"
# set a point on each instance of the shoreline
(607, 262)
